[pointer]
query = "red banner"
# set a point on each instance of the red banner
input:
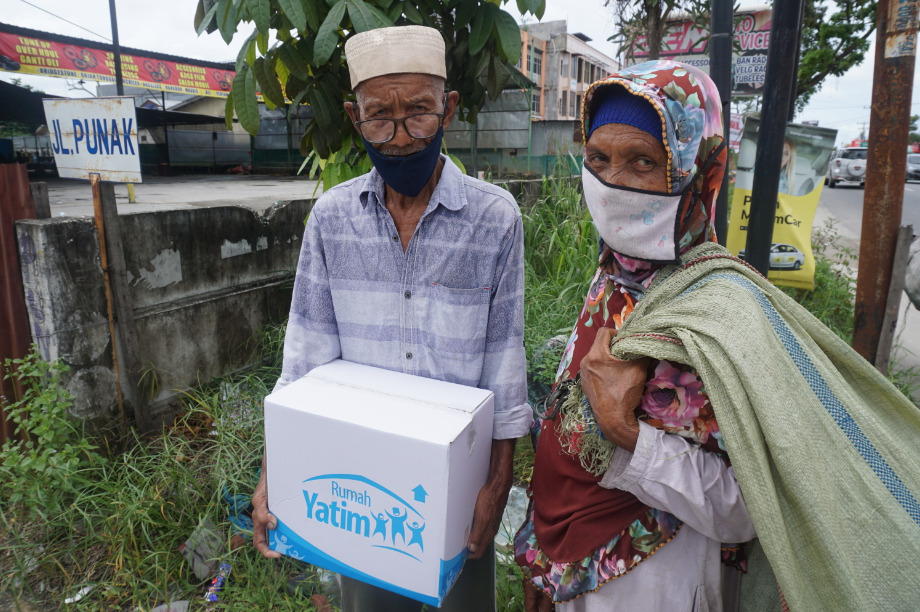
(31, 55)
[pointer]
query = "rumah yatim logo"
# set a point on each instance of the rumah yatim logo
(367, 509)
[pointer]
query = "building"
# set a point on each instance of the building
(562, 65)
(533, 126)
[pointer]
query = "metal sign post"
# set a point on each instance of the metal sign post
(97, 139)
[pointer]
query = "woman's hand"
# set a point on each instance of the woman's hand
(614, 389)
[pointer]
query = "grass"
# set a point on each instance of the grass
(75, 513)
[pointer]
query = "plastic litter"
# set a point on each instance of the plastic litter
(217, 582)
(203, 549)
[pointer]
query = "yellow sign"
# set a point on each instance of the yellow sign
(806, 154)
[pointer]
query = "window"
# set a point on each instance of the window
(572, 106)
(577, 112)
(581, 67)
(564, 69)
(536, 101)
(537, 61)
(564, 105)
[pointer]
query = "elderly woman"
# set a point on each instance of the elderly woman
(633, 479)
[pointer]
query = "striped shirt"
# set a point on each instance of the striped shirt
(450, 307)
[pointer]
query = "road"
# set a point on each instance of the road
(846, 203)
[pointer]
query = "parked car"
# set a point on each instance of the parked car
(782, 256)
(847, 164)
(913, 167)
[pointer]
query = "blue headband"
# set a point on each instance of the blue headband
(616, 105)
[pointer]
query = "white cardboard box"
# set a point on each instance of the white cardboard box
(374, 474)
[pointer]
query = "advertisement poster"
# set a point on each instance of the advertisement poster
(35, 55)
(806, 154)
(687, 42)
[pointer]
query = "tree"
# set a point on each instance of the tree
(305, 63)
(832, 44)
(914, 136)
(643, 23)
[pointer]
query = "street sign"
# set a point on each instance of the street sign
(94, 135)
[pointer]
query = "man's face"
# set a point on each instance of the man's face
(395, 96)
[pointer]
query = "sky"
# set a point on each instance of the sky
(167, 26)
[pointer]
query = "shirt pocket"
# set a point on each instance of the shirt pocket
(457, 321)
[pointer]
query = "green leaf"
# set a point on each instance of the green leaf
(260, 11)
(509, 36)
(281, 70)
(464, 14)
(314, 17)
(251, 49)
(533, 5)
(228, 112)
(268, 82)
(205, 16)
(293, 61)
(522, 6)
(293, 10)
(480, 30)
(498, 76)
(245, 51)
(244, 100)
(327, 37)
(227, 18)
(262, 43)
(412, 13)
(541, 9)
(366, 17)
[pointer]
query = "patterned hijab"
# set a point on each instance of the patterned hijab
(691, 114)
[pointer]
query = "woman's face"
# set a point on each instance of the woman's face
(787, 151)
(627, 156)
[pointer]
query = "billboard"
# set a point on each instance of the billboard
(685, 41)
(94, 135)
(806, 153)
(50, 56)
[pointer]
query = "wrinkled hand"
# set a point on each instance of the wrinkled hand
(614, 389)
(262, 519)
(490, 503)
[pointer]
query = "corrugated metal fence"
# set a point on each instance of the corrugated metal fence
(15, 203)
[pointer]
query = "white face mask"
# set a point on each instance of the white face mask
(633, 222)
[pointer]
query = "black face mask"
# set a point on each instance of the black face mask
(409, 174)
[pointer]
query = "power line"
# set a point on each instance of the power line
(67, 20)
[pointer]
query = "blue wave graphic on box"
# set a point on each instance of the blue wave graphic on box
(284, 540)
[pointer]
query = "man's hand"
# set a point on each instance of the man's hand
(490, 504)
(262, 519)
(614, 389)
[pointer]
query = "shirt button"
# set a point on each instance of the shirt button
(408, 355)
(395, 238)
(408, 294)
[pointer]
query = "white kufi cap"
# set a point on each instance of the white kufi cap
(403, 49)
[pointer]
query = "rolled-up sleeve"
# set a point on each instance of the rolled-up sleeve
(671, 473)
(504, 365)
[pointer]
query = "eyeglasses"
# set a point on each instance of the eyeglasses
(419, 126)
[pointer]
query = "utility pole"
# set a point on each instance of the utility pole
(116, 50)
(889, 123)
(720, 69)
(779, 82)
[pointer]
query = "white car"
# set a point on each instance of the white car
(782, 256)
(847, 164)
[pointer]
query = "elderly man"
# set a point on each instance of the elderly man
(416, 268)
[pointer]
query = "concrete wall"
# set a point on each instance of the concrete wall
(204, 282)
